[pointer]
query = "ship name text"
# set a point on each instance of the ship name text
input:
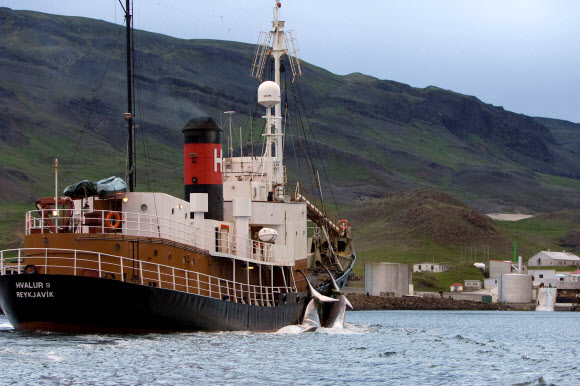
(44, 294)
(32, 285)
(40, 290)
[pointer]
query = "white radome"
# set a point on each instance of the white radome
(269, 94)
(267, 235)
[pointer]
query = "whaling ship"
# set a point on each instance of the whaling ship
(229, 256)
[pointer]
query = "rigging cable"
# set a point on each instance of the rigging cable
(288, 121)
(138, 102)
(305, 146)
(144, 137)
(88, 125)
(318, 151)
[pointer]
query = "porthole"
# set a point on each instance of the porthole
(117, 247)
(172, 211)
(155, 253)
(194, 180)
(184, 260)
(144, 207)
(186, 216)
(191, 261)
(170, 256)
(298, 299)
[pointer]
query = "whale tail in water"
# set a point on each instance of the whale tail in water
(332, 316)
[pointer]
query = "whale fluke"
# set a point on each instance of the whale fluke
(315, 294)
(337, 289)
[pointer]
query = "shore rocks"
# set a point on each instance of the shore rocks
(368, 303)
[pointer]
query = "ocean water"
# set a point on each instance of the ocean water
(375, 347)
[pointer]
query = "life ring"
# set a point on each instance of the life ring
(30, 268)
(343, 225)
(117, 220)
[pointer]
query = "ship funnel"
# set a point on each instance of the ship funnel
(202, 163)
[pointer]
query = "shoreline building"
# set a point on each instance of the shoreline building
(551, 259)
(499, 267)
(430, 267)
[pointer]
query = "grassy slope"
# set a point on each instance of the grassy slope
(422, 136)
(422, 225)
(12, 225)
(542, 232)
(375, 137)
(566, 133)
(425, 225)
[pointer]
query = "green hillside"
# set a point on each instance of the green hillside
(425, 225)
(62, 93)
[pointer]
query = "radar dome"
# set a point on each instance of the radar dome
(269, 94)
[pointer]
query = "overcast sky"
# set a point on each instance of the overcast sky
(520, 54)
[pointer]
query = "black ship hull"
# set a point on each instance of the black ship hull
(83, 304)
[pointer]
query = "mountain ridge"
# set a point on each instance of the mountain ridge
(388, 136)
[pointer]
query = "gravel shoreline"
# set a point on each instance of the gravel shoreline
(375, 303)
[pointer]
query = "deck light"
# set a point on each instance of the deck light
(125, 199)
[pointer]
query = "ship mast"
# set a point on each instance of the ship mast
(282, 45)
(277, 52)
(130, 110)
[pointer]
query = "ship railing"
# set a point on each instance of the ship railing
(107, 222)
(112, 267)
(221, 240)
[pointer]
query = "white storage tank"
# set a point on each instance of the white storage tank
(387, 278)
(515, 288)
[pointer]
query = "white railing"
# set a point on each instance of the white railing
(92, 264)
(213, 240)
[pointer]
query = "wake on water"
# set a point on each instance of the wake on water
(5, 324)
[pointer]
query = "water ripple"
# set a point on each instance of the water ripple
(387, 347)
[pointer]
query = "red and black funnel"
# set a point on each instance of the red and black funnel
(202, 163)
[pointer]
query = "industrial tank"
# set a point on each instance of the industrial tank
(515, 288)
(384, 278)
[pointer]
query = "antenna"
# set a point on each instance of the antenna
(284, 44)
(241, 144)
(230, 139)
